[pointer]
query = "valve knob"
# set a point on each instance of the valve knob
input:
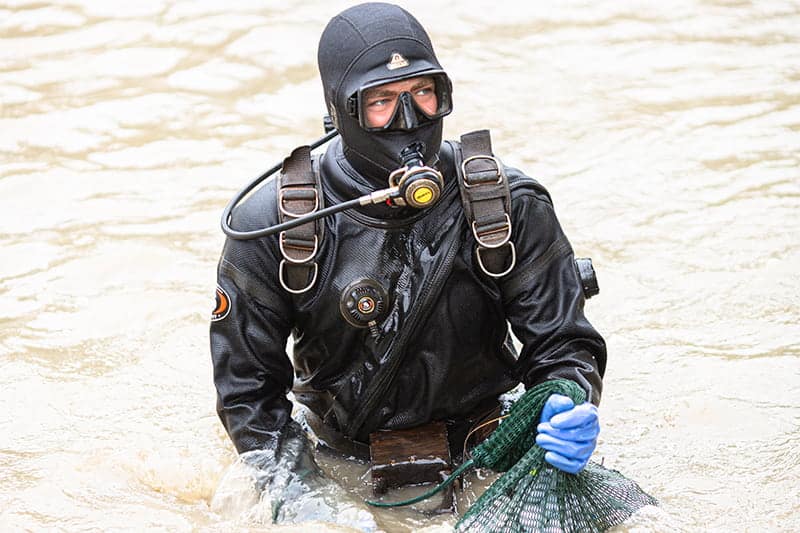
(363, 303)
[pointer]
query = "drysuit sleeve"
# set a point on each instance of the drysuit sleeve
(252, 372)
(544, 301)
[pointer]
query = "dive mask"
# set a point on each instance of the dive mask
(402, 104)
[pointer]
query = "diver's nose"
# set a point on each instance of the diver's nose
(408, 116)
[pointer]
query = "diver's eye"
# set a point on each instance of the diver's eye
(424, 91)
(381, 102)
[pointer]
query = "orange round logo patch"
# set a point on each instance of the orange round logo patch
(223, 305)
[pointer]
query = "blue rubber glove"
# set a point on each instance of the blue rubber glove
(568, 433)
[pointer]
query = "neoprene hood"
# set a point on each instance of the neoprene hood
(367, 44)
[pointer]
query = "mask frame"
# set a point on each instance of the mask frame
(442, 85)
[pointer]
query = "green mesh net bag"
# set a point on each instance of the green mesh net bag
(532, 495)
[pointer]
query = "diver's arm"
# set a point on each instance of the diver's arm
(544, 301)
(252, 372)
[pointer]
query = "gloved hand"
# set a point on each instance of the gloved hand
(568, 433)
(296, 489)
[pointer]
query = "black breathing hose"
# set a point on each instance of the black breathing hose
(289, 224)
(413, 184)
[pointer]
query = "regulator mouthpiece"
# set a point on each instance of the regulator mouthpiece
(418, 185)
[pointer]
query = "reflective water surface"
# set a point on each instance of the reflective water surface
(668, 135)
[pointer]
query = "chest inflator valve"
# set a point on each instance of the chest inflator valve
(363, 304)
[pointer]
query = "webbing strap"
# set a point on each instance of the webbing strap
(299, 193)
(487, 203)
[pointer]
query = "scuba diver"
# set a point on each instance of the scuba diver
(399, 304)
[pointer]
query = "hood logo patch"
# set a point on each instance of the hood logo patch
(397, 61)
(223, 305)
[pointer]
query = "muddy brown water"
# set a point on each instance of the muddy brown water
(667, 133)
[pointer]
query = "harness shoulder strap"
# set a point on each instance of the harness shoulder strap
(299, 193)
(486, 199)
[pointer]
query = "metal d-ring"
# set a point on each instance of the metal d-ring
(506, 228)
(312, 255)
(281, 270)
(292, 214)
(498, 166)
(506, 271)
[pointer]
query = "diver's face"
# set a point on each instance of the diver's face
(380, 102)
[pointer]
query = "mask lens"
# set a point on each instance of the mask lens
(404, 104)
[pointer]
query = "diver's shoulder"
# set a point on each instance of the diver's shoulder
(259, 209)
(520, 184)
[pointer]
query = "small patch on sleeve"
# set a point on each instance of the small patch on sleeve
(223, 305)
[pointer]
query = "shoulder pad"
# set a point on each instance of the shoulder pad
(521, 183)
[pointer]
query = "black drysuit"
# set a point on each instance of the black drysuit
(458, 352)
